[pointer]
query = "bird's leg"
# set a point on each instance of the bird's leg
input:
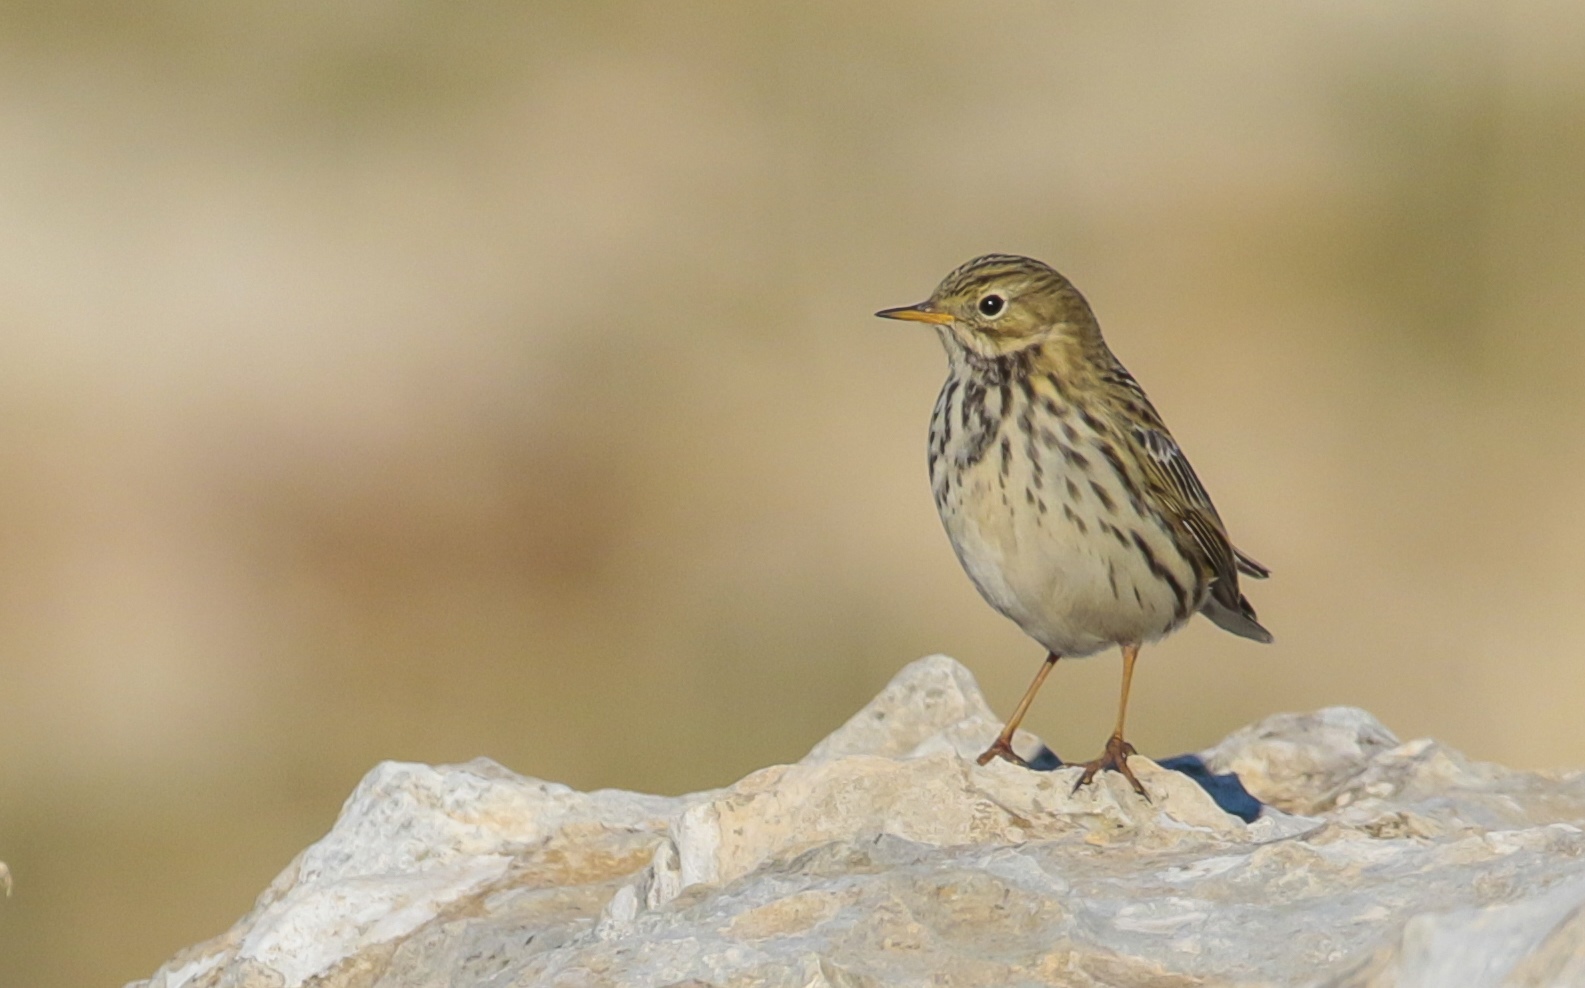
(1115, 757)
(1002, 747)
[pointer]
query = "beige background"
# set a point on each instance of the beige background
(425, 381)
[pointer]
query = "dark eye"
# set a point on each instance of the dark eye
(992, 306)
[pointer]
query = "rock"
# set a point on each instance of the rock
(886, 857)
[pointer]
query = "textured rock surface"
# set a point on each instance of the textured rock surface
(886, 857)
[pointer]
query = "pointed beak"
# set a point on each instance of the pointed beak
(916, 313)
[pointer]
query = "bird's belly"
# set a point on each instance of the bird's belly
(1060, 574)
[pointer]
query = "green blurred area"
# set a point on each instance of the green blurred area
(425, 381)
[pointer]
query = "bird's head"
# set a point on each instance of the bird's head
(1000, 303)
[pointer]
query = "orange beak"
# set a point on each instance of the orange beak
(916, 313)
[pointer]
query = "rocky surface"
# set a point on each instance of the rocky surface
(886, 857)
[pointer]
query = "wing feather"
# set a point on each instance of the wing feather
(1178, 489)
(1175, 483)
(1171, 483)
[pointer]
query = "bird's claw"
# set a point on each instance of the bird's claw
(1114, 759)
(1002, 749)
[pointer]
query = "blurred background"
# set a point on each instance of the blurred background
(424, 381)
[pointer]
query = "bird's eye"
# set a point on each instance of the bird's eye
(992, 305)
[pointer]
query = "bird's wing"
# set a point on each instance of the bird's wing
(1170, 482)
(1176, 487)
(1173, 482)
(1180, 476)
(1249, 566)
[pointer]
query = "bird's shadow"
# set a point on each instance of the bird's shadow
(1226, 789)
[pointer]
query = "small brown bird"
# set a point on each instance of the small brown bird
(1066, 499)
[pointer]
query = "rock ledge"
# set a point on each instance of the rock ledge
(887, 857)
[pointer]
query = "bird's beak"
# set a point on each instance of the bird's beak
(916, 313)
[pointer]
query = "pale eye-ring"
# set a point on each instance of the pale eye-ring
(992, 305)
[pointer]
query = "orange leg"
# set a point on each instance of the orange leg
(1115, 757)
(1002, 747)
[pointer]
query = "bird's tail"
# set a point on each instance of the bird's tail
(1240, 622)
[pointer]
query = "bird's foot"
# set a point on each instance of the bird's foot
(1002, 749)
(1113, 759)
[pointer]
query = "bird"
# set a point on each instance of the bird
(1067, 501)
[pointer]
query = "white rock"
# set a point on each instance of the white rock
(887, 857)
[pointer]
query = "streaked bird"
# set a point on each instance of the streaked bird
(1068, 502)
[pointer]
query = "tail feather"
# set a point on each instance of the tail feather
(1240, 622)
